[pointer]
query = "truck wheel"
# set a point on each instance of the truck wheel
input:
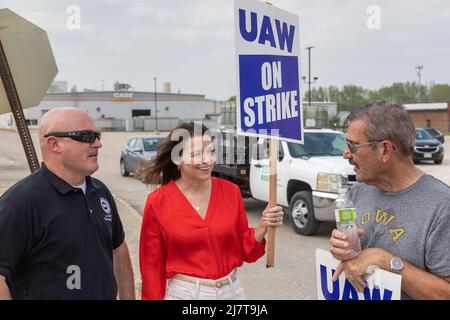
(123, 169)
(302, 213)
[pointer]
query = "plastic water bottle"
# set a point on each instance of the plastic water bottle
(345, 215)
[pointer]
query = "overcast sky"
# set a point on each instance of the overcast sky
(190, 43)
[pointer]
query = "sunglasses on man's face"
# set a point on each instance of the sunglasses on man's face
(88, 136)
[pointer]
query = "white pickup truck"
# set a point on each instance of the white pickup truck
(309, 176)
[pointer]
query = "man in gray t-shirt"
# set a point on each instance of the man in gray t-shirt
(413, 224)
(403, 213)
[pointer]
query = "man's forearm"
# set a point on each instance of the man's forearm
(417, 283)
(4, 290)
(422, 285)
(124, 273)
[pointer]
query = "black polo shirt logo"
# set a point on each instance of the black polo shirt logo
(107, 208)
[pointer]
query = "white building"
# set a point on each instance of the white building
(116, 109)
(58, 87)
(330, 107)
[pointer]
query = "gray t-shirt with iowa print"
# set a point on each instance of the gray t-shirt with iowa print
(413, 224)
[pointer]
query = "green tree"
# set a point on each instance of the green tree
(439, 92)
(333, 93)
(352, 96)
(317, 94)
(404, 92)
(334, 122)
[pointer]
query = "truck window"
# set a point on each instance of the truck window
(319, 144)
(262, 150)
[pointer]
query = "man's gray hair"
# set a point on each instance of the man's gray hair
(387, 120)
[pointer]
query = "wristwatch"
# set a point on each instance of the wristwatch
(396, 265)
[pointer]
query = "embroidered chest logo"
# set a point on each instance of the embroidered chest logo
(384, 218)
(107, 208)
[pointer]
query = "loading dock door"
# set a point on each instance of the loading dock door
(137, 113)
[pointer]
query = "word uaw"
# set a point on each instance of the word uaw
(271, 107)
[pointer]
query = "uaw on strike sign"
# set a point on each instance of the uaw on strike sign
(380, 285)
(268, 102)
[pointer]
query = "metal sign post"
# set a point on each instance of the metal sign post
(17, 111)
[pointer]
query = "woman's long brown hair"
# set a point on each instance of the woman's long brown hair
(161, 169)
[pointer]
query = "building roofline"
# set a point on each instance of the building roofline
(110, 92)
(425, 106)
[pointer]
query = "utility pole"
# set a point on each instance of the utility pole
(419, 70)
(156, 110)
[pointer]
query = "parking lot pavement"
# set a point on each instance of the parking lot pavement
(294, 274)
(131, 221)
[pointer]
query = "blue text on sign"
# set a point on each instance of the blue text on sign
(348, 293)
(269, 94)
(271, 107)
(284, 32)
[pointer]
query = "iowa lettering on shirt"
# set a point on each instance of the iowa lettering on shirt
(384, 218)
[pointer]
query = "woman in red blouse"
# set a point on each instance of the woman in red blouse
(194, 230)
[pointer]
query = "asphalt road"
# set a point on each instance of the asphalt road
(294, 274)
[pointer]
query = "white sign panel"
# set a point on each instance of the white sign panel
(381, 285)
(268, 102)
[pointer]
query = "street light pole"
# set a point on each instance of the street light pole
(309, 82)
(309, 75)
(156, 110)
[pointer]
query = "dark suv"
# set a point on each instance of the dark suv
(435, 133)
(427, 148)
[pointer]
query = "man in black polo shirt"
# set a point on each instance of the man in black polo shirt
(60, 234)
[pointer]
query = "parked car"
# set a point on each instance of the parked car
(427, 148)
(435, 133)
(136, 150)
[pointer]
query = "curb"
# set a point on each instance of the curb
(128, 206)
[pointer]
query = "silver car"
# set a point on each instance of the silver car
(136, 150)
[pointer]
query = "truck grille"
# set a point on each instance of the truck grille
(426, 149)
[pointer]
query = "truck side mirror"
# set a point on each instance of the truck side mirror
(280, 151)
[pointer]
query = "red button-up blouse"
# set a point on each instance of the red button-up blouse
(175, 239)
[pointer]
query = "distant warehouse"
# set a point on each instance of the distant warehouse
(430, 115)
(127, 110)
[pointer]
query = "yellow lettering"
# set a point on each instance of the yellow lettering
(398, 232)
(383, 217)
(365, 218)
